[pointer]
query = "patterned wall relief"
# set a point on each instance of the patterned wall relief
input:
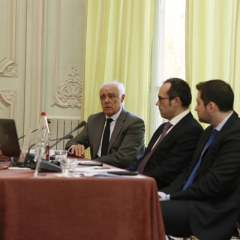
(11, 70)
(7, 100)
(8, 46)
(69, 93)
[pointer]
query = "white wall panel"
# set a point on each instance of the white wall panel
(41, 60)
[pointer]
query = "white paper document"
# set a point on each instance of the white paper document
(96, 169)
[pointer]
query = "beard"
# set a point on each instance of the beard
(204, 119)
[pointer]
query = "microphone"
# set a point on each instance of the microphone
(25, 135)
(81, 124)
(46, 166)
(66, 137)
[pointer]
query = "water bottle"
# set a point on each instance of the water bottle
(43, 139)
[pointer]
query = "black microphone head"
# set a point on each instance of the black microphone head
(70, 136)
(81, 124)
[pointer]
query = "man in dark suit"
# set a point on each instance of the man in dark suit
(205, 197)
(175, 151)
(126, 131)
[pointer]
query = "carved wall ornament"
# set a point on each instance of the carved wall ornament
(9, 37)
(8, 96)
(11, 70)
(69, 94)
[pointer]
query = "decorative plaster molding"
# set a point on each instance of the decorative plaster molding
(8, 98)
(69, 94)
(11, 70)
(8, 65)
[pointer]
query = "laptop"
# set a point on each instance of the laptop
(9, 138)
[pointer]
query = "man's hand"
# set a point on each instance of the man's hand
(78, 150)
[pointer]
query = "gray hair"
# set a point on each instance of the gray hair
(119, 85)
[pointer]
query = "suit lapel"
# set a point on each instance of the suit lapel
(118, 127)
(177, 127)
(209, 130)
(206, 136)
(204, 140)
(173, 131)
(154, 138)
(228, 124)
(98, 133)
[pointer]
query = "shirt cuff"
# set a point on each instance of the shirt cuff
(70, 148)
(164, 196)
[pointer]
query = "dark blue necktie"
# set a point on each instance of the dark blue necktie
(190, 178)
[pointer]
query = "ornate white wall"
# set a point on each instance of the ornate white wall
(41, 60)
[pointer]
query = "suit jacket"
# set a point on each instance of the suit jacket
(214, 196)
(174, 152)
(126, 143)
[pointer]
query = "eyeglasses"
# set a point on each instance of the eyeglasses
(162, 98)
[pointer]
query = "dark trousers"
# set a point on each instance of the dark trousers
(176, 218)
(212, 223)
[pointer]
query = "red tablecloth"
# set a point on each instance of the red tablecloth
(82, 208)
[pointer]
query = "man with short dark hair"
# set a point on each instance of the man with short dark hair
(166, 157)
(205, 197)
(125, 131)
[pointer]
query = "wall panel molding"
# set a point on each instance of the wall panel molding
(35, 61)
(7, 101)
(69, 93)
(42, 46)
(8, 26)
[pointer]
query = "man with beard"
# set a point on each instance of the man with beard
(204, 199)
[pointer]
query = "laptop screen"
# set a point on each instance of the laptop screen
(9, 138)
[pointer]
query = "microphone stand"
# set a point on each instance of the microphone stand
(25, 135)
(29, 160)
(67, 137)
(59, 139)
(30, 157)
(83, 123)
